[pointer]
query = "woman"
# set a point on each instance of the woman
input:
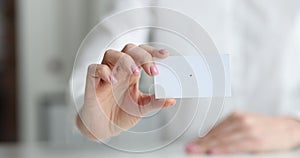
(265, 81)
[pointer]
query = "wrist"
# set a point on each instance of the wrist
(83, 129)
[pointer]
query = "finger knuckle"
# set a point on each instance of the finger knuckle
(128, 46)
(143, 45)
(237, 114)
(103, 68)
(146, 57)
(125, 63)
(92, 67)
(245, 120)
(107, 52)
(126, 59)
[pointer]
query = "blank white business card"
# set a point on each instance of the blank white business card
(193, 77)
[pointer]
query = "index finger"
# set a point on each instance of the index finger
(157, 53)
(143, 56)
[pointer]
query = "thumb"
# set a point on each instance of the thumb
(148, 103)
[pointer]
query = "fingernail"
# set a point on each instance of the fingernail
(135, 70)
(113, 79)
(213, 151)
(163, 51)
(154, 70)
(192, 148)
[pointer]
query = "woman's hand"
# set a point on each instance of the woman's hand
(248, 132)
(112, 101)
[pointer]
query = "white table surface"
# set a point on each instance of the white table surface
(176, 149)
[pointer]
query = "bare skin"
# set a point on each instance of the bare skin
(112, 101)
(244, 132)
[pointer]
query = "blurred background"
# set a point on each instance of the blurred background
(39, 40)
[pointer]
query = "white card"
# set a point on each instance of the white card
(191, 77)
